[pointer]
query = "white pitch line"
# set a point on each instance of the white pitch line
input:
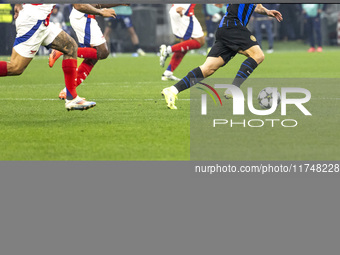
(118, 99)
(98, 99)
(85, 84)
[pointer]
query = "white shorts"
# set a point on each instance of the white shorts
(185, 27)
(88, 31)
(31, 34)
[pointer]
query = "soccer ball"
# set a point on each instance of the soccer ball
(265, 98)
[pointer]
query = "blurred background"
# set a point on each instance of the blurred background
(151, 24)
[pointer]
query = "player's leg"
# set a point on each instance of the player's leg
(85, 68)
(176, 59)
(209, 67)
(178, 55)
(270, 35)
(89, 35)
(133, 35)
(179, 50)
(189, 30)
(102, 51)
(107, 32)
(310, 31)
(135, 41)
(193, 77)
(210, 31)
(66, 44)
(255, 57)
(85, 52)
(28, 40)
(93, 47)
(258, 31)
(83, 71)
(191, 44)
(218, 56)
(183, 46)
(87, 65)
(317, 28)
(15, 66)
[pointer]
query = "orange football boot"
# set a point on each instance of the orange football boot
(62, 95)
(55, 54)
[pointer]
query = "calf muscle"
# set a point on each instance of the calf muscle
(66, 44)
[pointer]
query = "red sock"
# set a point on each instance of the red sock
(3, 68)
(70, 73)
(84, 70)
(90, 53)
(176, 59)
(186, 45)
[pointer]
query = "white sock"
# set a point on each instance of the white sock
(174, 90)
(167, 73)
(168, 49)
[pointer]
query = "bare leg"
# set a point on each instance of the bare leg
(201, 40)
(17, 64)
(179, 50)
(102, 51)
(66, 44)
(107, 33)
(211, 65)
(255, 57)
(255, 53)
(133, 36)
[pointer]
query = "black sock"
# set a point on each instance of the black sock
(137, 46)
(193, 77)
(247, 67)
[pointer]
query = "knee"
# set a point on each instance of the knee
(103, 53)
(207, 70)
(201, 41)
(19, 71)
(16, 70)
(71, 48)
(259, 57)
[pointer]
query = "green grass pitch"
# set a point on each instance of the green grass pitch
(131, 120)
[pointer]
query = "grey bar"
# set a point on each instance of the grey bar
(162, 208)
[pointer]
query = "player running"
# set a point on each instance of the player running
(33, 30)
(186, 27)
(232, 37)
(90, 37)
(124, 17)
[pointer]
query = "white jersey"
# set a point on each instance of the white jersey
(34, 29)
(188, 8)
(38, 11)
(186, 26)
(76, 14)
(87, 29)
